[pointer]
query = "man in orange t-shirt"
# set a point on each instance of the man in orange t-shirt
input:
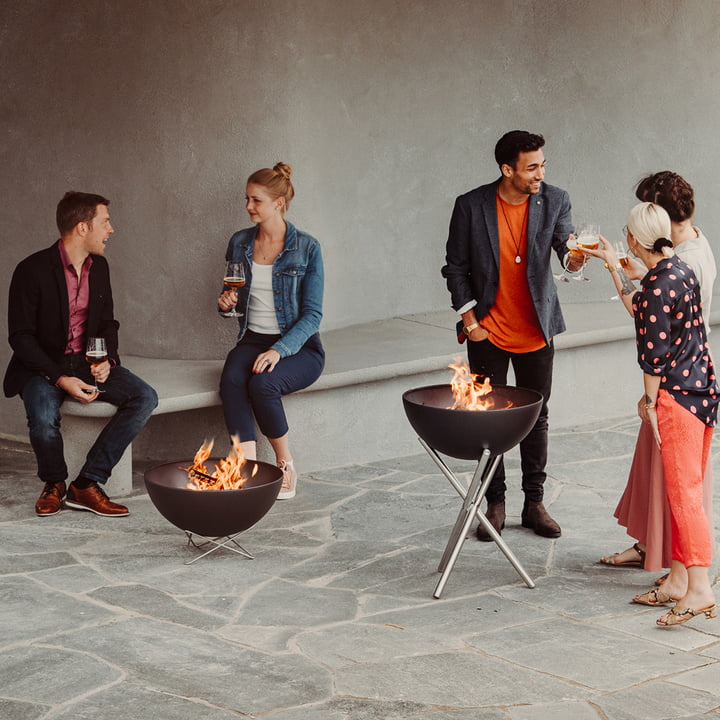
(498, 273)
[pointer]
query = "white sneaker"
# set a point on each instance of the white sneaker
(289, 482)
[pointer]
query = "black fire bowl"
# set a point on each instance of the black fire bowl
(213, 513)
(465, 434)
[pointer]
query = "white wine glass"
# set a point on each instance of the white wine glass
(233, 279)
(96, 354)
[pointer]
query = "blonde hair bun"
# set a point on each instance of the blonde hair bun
(283, 169)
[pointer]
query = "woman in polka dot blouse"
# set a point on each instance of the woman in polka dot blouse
(680, 400)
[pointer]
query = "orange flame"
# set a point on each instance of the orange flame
(468, 392)
(228, 471)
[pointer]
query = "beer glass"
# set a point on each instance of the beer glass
(233, 279)
(572, 247)
(96, 354)
(588, 237)
(622, 256)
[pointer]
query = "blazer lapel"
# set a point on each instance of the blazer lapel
(535, 206)
(61, 286)
(489, 209)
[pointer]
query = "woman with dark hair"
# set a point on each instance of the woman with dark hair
(643, 508)
(679, 404)
(278, 350)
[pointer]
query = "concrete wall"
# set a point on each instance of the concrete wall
(387, 109)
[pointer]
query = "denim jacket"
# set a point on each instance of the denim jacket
(297, 281)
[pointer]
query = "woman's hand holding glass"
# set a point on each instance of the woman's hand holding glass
(234, 279)
(605, 252)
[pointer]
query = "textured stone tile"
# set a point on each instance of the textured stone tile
(712, 651)
(335, 559)
(596, 658)
(379, 514)
(659, 700)
(286, 603)
(706, 678)
(461, 617)
(25, 676)
(556, 711)
(80, 578)
(194, 664)
(355, 643)
(130, 701)
(643, 625)
(31, 611)
(17, 710)
(460, 679)
(147, 601)
(267, 639)
(577, 598)
(36, 536)
(32, 562)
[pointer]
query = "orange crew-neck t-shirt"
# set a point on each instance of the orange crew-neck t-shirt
(512, 322)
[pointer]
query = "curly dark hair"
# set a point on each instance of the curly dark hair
(670, 191)
(511, 144)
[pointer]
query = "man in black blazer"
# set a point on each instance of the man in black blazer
(60, 297)
(498, 273)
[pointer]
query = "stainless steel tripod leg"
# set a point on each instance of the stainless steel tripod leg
(471, 507)
(481, 479)
(477, 488)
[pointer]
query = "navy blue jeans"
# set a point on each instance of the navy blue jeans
(246, 395)
(533, 370)
(134, 398)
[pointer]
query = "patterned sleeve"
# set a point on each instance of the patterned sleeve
(654, 336)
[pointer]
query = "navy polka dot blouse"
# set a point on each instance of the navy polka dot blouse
(671, 337)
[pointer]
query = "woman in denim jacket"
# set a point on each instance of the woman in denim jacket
(278, 349)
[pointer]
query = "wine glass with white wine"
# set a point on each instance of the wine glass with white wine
(234, 279)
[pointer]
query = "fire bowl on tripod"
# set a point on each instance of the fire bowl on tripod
(213, 513)
(465, 434)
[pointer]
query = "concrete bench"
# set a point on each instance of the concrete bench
(353, 413)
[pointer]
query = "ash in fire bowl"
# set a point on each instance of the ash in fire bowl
(465, 434)
(213, 513)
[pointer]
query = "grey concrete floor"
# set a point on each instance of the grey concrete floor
(334, 619)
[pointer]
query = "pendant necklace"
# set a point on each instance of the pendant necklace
(518, 259)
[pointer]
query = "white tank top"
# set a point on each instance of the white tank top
(261, 306)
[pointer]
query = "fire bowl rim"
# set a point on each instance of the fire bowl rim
(538, 398)
(179, 464)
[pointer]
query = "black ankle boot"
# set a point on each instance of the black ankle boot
(495, 513)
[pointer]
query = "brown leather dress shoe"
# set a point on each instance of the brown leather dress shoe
(50, 500)
(495, 513)
(94, 499)
(537, 518)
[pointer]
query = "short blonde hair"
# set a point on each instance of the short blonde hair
(650, 226)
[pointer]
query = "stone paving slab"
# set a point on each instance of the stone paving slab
(334, 619)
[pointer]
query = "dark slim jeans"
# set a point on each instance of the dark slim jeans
(533, 370)
(246, 394)
(134, 398)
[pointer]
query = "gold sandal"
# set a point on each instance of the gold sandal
(612, 559)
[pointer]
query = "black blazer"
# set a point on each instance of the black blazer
(472, 271)
(39, 315)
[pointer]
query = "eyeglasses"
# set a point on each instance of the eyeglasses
(626, 231)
